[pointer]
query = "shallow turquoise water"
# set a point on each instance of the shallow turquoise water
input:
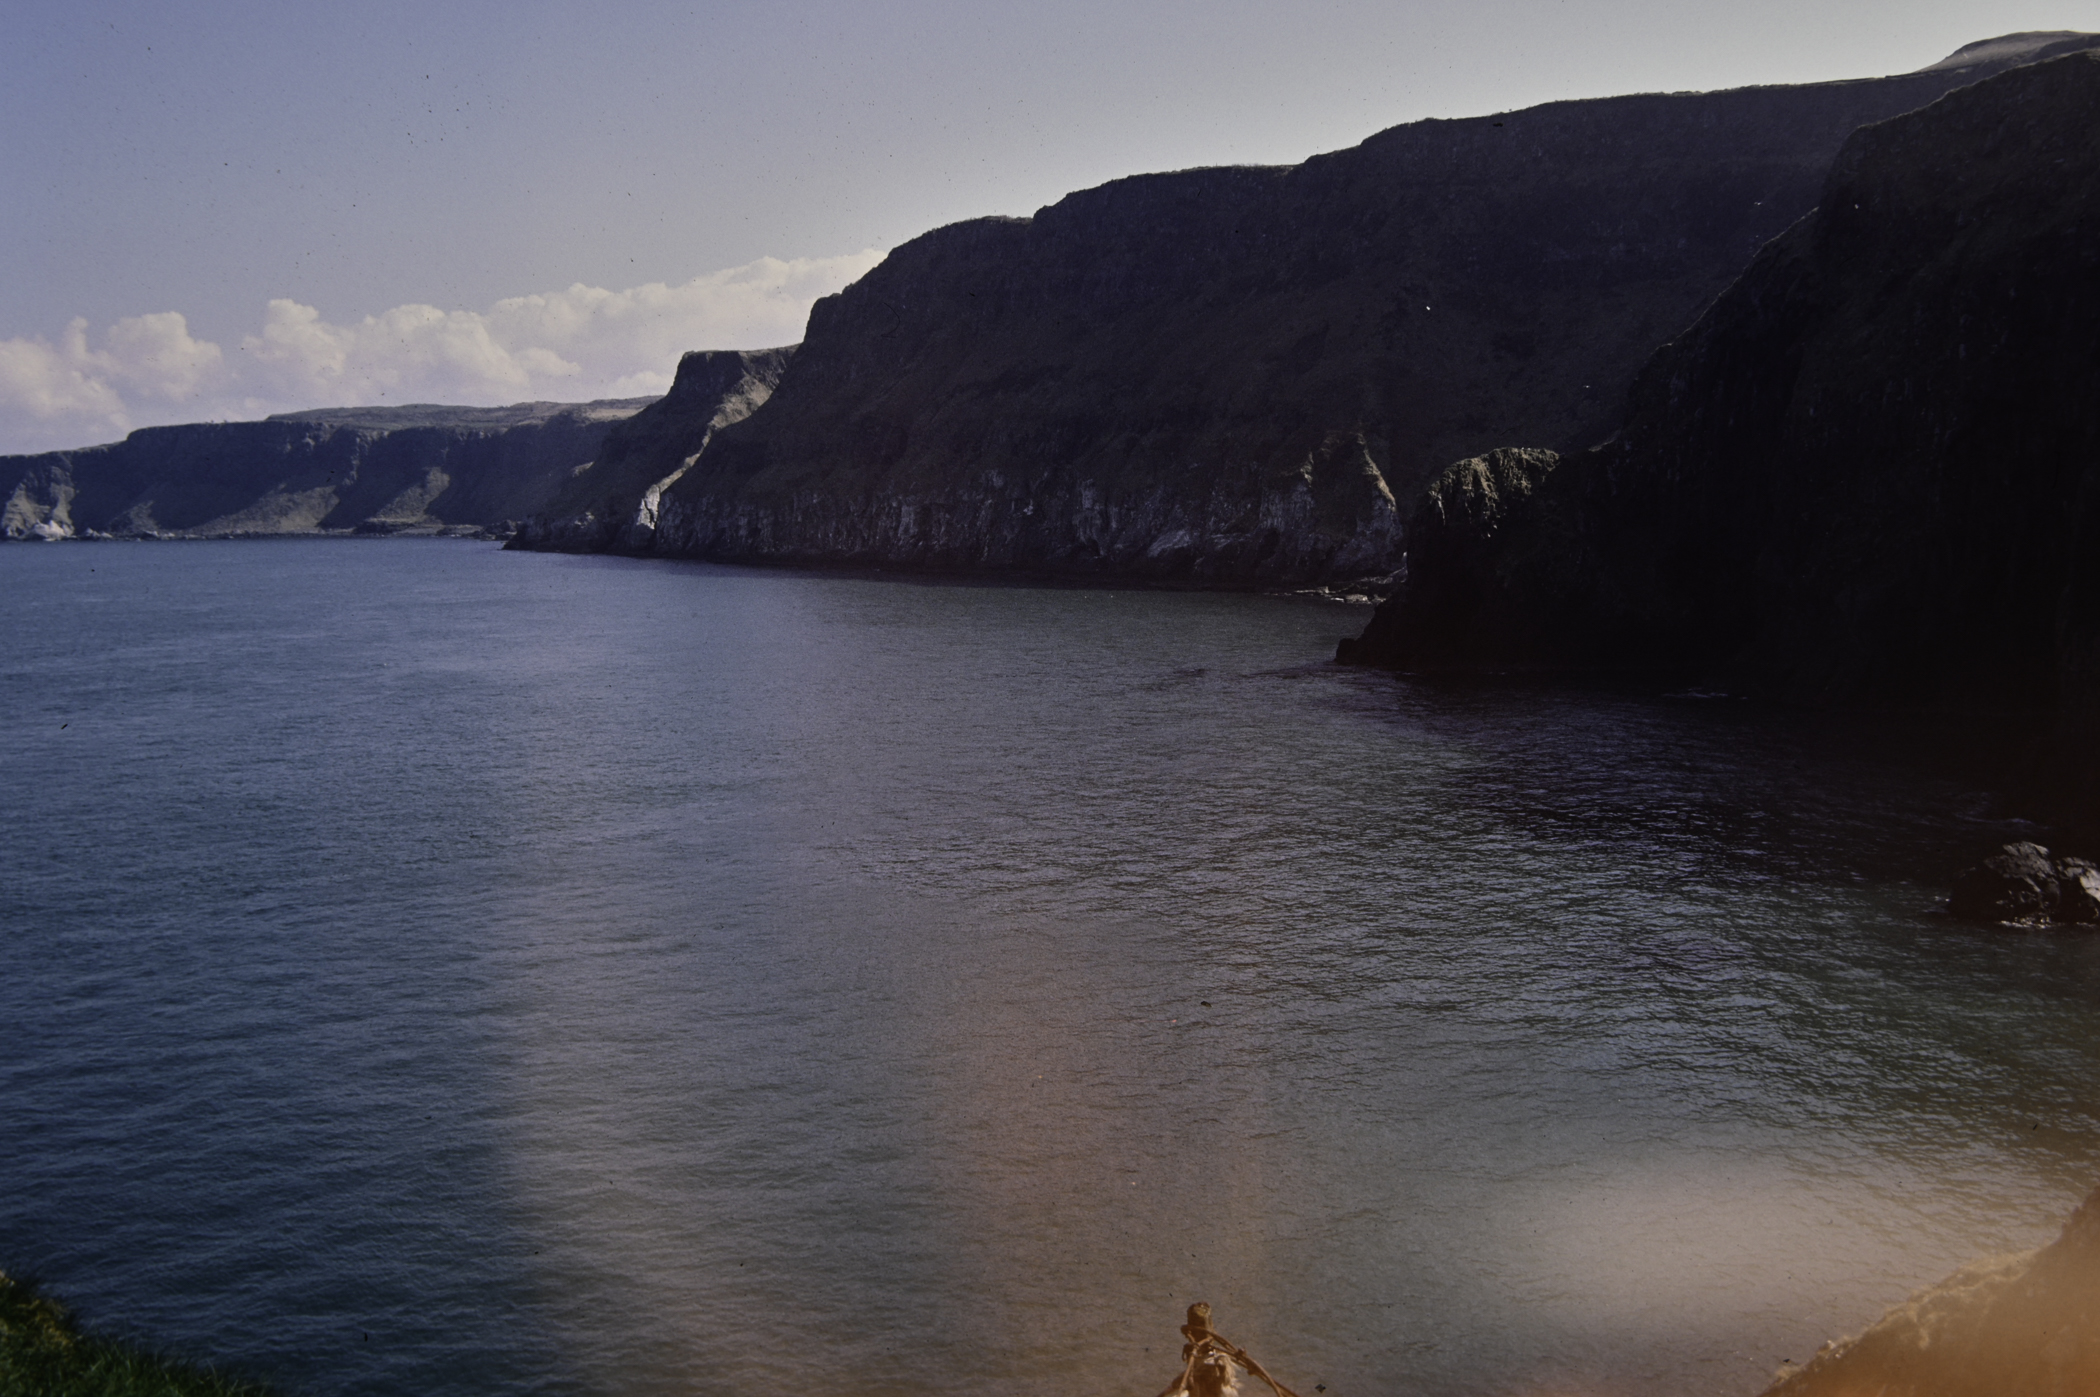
(430, 969)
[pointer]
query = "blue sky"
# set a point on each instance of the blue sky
(222, 209)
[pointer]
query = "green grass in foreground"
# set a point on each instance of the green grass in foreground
(44, 1354)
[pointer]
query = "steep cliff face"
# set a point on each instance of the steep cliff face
(2018, 1324)
(610, 503)
(378, 470)
(1230, 375)
(1870, 472)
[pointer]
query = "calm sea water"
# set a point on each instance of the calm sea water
(438, 971)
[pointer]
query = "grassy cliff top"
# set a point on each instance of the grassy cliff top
(406, 415)
(43, 1353)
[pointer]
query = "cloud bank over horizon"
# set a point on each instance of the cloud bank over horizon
(567, 346)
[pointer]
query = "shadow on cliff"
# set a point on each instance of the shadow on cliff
(1867, 477)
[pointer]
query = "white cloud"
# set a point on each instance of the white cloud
(152, 355)
(574, 345)
(40, 383)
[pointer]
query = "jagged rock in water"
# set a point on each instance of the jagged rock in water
(2022, 882)
(2017, 882)
(2016, 1326)
(421, 468)
(1869, 473)
(610, 503)
(2078, 890)
(1229, 375)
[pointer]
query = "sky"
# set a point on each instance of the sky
(224, 209)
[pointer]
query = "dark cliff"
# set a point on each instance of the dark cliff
(610, 502)
(1229, 375)
(1869, 473)
(378, 470)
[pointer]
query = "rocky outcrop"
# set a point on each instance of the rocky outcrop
(1869, 473)
(1454, 536)
(2024, 883)
(1229, 376)
(610, 502)
(2027, 1324)
(371, 470)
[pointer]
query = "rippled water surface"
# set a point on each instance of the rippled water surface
(434, 970)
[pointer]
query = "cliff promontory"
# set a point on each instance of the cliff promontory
(610, 502)
(1229, 376)
(1869, 473)
(372, 470)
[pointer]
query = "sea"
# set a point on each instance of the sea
(429, 969)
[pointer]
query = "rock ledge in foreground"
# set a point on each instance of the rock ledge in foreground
(2026, 1325)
